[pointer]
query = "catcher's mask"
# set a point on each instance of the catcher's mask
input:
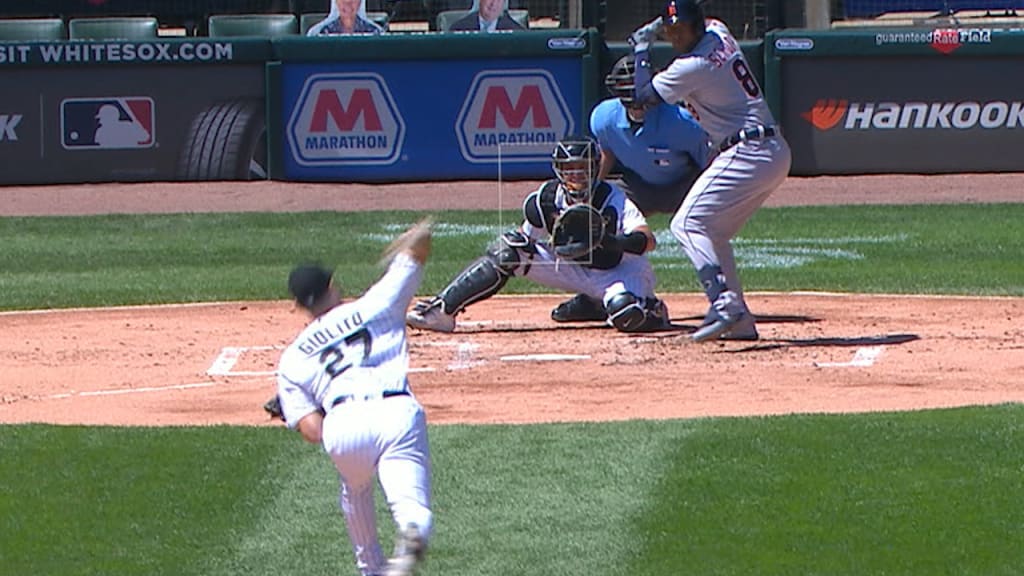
(576, 164)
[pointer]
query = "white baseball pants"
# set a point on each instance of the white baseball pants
(387, 438)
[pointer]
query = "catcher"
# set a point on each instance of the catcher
(581, 235)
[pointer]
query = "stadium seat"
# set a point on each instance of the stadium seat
(309, 20)
(380, 18)
(448, 17)
(128, 28)
(313, 18)
(263, 25)
(27, 29)
(521, 16)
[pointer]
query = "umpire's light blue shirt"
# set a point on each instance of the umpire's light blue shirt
(660, 149)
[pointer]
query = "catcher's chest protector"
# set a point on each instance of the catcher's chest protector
(601, 258)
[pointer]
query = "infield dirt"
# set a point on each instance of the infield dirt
(213, 363)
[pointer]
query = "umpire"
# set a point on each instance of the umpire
(660, 151)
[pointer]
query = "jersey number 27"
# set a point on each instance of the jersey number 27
(333, 357)
(747, 80)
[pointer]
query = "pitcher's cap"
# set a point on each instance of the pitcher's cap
(308, 282)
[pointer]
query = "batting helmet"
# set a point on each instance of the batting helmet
(576, 161)
(677, 11)
(621, 80)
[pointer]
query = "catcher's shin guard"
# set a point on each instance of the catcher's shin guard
(627, 313)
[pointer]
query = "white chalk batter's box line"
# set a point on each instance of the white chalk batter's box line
(865, 357)
(463, 358)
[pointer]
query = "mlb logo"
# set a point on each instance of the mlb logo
(108, 123)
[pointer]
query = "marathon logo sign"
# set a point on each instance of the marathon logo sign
(345, 119)
(829, 114)
(122, 123)
(512, 116)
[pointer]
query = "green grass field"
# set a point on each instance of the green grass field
(111, 260)
(923, 493)
(935, 492)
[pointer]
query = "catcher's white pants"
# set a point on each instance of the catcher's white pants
(634, 274)
(725, 196)
(386, 437)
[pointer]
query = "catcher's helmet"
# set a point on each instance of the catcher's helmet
(576, 161)
(622, 78)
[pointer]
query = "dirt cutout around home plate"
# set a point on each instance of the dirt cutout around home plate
(508, 362)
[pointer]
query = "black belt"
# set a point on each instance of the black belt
(386, 394)
(758, 133)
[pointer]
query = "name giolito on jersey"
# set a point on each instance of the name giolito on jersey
(827, 114)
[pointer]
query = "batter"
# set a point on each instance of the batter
(753, 159)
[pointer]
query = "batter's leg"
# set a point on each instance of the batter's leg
(721, 202)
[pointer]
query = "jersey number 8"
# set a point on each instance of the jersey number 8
(747, 80)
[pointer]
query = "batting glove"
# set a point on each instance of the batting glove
(643, 36)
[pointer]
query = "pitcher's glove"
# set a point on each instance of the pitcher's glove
(273, 407)
(577, 232)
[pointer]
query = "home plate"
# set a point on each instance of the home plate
(544, 357)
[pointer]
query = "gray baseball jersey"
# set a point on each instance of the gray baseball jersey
(716, 81)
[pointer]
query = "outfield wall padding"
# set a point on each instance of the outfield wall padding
(865, 101)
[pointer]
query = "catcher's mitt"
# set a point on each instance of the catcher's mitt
(577, 232)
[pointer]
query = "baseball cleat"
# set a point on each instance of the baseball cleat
(727, 312)
(716, 328)
(579, 308)
(743, 329)
(429, 315)
(409, 552)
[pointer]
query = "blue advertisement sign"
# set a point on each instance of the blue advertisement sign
(428, 120)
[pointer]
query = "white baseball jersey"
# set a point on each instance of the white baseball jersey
(357, 349)
(605, 274)
(717, 82)
(627, 216)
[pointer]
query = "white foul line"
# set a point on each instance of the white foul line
(229, 356)
(130, 390)
(544, 357)
(864, 358)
